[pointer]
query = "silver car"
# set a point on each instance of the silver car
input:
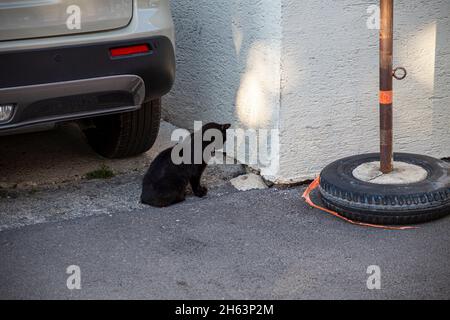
(104, 63)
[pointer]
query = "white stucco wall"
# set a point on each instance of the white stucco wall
(228, 62)
(310, 69)
(329, 104)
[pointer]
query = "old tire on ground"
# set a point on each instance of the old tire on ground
(387, 204)
(126, 134)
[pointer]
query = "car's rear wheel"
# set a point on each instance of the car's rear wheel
(126, 134)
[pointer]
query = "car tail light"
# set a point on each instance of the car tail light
(130, 50)
(6, 112)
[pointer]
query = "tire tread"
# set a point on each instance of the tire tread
(136, 132)
(407, 204)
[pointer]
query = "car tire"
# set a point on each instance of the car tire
(127, 134)
(387, 204)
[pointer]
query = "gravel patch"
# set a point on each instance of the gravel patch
(20, 207)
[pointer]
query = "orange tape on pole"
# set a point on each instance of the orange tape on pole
(386, 97)
(307, 196)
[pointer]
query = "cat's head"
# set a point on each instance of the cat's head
(218, 128)
(215, 126)
(221, 127)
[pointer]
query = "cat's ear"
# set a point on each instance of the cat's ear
(226, 126)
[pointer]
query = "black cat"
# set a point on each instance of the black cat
(165, 182)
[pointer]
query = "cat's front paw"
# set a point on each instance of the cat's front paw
(201, 192)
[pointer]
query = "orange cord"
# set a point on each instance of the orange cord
(315, 184)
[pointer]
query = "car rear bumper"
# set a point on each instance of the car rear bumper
(76, 99)
(66, 83)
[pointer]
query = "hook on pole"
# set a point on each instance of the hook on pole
(403, 74)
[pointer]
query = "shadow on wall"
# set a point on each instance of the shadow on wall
(228, 63)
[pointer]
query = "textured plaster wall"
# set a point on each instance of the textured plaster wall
(228, 62)
(310, 69)
(329, 105)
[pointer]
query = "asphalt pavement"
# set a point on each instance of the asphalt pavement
(265, 244)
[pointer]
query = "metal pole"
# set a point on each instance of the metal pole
(386, 80)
